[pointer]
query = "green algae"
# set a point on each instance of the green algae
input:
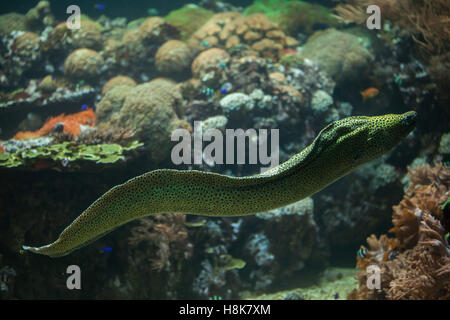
(188, 19)
(134, 24)
(335, 284)
(293, 16)
(67, 151)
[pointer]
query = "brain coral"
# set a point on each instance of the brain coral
(107, 110)
(61, 38)
(21, 52)
(206, 66)
(155, 29)
(118, 81)
(229, 29)
(135, 52)
(342, 55)
(12, 21)
(26, 46)
(149, 108)
(83, 64)
(174, 56)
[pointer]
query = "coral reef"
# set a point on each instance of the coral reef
(276, 64)
(151, 109)
(12, 21)
(188, 19)
(83, 64)
(62, 156)
(63, 39)
(294, 16)
(342, 55)
(173, 57)
(39, 17)
(228, 30)
(22, 53)
(426, 21)
(416, 263)
(135, 52)
(118, 81)
(69, 124)
(107, 110)
(168, 234)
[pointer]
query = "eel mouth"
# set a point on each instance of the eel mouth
(409, 120)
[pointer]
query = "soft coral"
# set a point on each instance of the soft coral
(71, 125)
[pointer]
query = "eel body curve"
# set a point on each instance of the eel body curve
(338, 149)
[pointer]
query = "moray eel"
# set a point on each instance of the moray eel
(339, 148)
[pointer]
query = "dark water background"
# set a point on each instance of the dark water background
(114, 8)
(132, 9)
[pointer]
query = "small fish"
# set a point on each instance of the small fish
(369, 93)
(226, 88)
(288, 51)
(336, 296)
(222, 65)
(106, 249)
(99, 6)
(362, 253)
(208, 91)
(152, 12)
(84, 107)
(320, 26)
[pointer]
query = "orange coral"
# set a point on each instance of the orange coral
(420, 267)
(71, 125)
(426, 193)
(2, 149)
(426, 272)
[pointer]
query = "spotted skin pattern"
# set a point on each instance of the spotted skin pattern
(339, 148)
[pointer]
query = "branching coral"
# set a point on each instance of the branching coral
(426, 21)
(165, 232)
(415, 264)
(426, 193)
(427, 269)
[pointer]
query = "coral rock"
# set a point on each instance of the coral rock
(48, 84)
(118, 81)
(108, 108)
(150, 108)
(173, 57)
(209, 61)
(231, 29)
(61, 38)
(84, 64)
(342, 55)
(156, 30)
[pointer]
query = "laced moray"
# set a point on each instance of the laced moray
(339, 148)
